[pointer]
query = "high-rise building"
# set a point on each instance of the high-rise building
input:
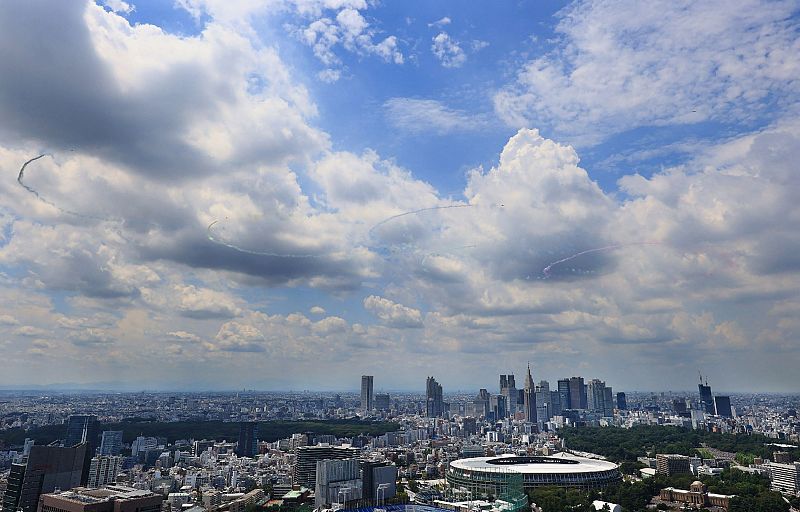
(337, 481)
(706, 398)
(722, 404)
(563, 392)
(608, 402)
(596, 396)
(577, 393)
(435, 401)
(83, 429)
(481, 403)
(508, 389)
(382, 402)
(47, 468)
(103, 470)
(555, 402)
(543, 409)
(114, 498)
(679, 406)
(379, 479)
(305, 469)
(673, 464)
(622, 403)
(498, 408)
(110, 442)
(366, 393)
(248, 439)
(529, 396)
(785, 477)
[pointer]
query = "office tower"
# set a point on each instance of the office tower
(435, 402)
(563, 393)
(305, 468)
(608, 402)
(83, 429)
(577, 393)
(337, 481)
(114, 498)
(482, 403)
(248, 439)
(672, 464)
(26, 448)
(555, 403)
(622, 403)
(595, 396)
(366, 393)
(679, 406)
(111, 442)
(508, 389)
(378, 479)
(382, 402)
(706, 398)
(543, 411)
(529, 395)
(48, 468)
(143, 444)
(722, 404)
(103, 470)
(497, 407)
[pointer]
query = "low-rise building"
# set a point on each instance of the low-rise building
(696, 495)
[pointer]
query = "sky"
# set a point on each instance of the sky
(285, 195)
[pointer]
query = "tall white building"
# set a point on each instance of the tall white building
(785, 477)
(103, 470)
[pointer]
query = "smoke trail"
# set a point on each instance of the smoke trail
(219, 241)
(548, 268)
(412, 212)
(45, 201)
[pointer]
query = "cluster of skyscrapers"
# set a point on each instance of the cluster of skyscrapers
(369, 400)
(719, 405)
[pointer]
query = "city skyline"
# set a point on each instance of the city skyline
(286, 195)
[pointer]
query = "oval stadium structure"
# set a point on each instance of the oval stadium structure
(493, 475)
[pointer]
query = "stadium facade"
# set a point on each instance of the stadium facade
(485, 476)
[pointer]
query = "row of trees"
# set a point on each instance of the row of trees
(619, 444)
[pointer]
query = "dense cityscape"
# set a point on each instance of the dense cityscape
(499, 450)
(399, 256)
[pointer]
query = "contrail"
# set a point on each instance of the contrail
(213, 239)
(546, 270)
(430, 208)
(45, 201)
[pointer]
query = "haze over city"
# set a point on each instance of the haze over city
(214, 195)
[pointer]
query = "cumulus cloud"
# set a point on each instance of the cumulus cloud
(621, 64)
(391, 313)
(448, 51)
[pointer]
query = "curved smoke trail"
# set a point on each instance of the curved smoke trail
(48, 202)
(219, 241)
(548, 268)
(412, 212)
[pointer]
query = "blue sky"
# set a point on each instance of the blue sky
(288, 194)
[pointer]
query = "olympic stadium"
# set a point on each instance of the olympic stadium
(484, 476)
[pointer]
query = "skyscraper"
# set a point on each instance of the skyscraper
(577, 393)
(434, 403)
(723, 406)
(111, 442)
(366, 393)
(563, 392)
(482, 403)
(543, 409)
(83, 428)
(382, 402)
(529, 398)
(248, 439)
(706, 398)
(48, 468)
(622, 403)
(595, 396)
(508, 389)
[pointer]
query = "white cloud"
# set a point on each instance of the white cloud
(622, 64)
(448, 51)
(119, 6)
(441, 22)
(391, 313)
(424, 115)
